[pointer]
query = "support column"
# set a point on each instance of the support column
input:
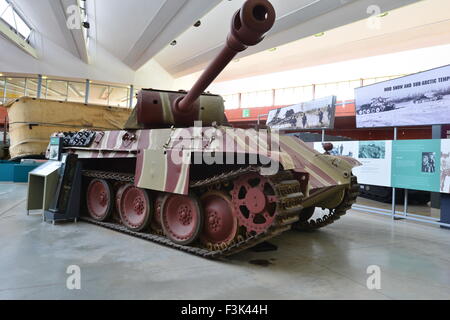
(393, 189)
(87, 91)
(435, 196)
(4, 91)
(39, 87)
(130, 102)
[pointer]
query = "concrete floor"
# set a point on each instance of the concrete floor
(329, 264)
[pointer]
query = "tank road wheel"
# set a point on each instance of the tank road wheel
(255, 202)
(181, 218)
(221, 224)
(119, 194)
(99, 199)
(155, 224)
(378, 110)
(135, 207)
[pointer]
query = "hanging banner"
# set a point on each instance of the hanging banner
(416, 100)
(315, 114)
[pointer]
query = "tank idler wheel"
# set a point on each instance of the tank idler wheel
(99, 199)
(221, 224)
(135, 207)
(155, 223)
(181, 218)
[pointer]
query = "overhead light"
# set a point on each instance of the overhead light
(44, 77)
(1, 74)
(384, 14)
(272, 49)
(237, 60)
(320, 34)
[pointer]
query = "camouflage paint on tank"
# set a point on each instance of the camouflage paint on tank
(155, 149)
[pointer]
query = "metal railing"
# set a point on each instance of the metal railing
(88, 92)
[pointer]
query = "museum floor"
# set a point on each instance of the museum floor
(329, 264)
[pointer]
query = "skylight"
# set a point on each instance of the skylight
(9, 15)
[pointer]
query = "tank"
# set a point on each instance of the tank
(376, 106)
(179, 175)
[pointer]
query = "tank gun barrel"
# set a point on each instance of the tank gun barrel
(248, 28)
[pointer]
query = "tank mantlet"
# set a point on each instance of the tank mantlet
(154, 109)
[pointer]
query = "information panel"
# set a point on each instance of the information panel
(375, 156)
(416, 100)
(416, 165)
(315, 114)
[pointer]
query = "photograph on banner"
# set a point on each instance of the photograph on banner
(372, 150)
(445, 166)
(340, 148)
(416, 165)
(416, 100)
(315, 114)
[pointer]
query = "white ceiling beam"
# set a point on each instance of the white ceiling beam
(173, 18)
(78, 41)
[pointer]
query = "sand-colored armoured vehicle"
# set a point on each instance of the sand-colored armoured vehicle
(209, 190)
(32, 121)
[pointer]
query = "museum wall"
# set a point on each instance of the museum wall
(55, 60)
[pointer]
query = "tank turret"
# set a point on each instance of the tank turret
(157, 108)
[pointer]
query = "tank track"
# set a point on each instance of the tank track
(289, 206)
(349, 199)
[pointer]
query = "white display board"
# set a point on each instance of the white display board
(375, 156)
(416, 100)
(445, 166)
(47, 168)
